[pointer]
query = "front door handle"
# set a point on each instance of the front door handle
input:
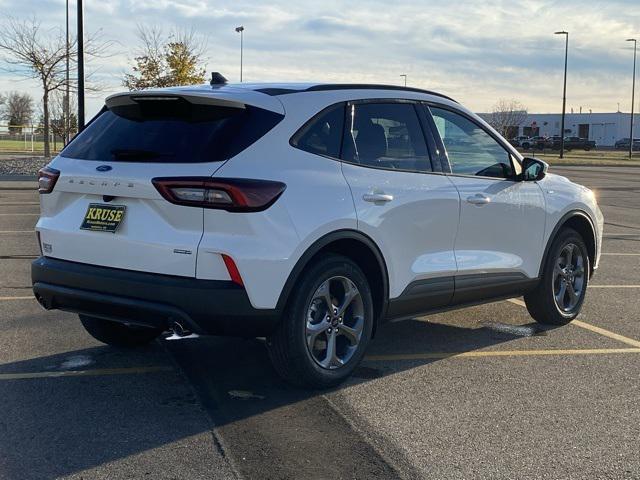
(377, 197)
(479, 199)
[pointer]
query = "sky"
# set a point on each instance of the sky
(477, 51)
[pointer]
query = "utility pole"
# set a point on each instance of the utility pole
(80, 67)
(633, 94)
(67, 113)
(564, 91)
(240, 30)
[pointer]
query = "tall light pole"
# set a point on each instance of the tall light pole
(80, 68)
(633, 94)
(240, 30)
(564, 91)
(405, 78)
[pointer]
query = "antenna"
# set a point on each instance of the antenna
(217, 79)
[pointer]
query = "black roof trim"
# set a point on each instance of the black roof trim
(277, 91)
(351, 86)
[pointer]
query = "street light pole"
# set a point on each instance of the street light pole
(405, 78)
(633, 94)
(564, 91)
(80, 34)
(240, 30)
(67, 114)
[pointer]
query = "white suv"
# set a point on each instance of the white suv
(304, 213)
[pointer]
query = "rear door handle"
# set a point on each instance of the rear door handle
(479, 199)
(377, 197)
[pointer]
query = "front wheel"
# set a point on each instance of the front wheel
(327, 325)
(118, 334)
(560, 294)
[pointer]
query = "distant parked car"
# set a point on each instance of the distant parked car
(623, 144)
(518, 141)
(573, 143)
(539, 142)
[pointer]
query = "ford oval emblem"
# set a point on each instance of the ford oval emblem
(104, 168)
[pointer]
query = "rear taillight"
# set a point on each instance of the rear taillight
(47, 178)
(231, 194)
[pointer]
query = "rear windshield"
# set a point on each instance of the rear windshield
(171, 132)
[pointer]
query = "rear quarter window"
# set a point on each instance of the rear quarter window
(322, 134)
(171, 134)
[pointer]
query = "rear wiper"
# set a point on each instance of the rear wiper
(136, 154)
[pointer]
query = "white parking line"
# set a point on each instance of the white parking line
(84, 373)
(8, 232)
(622, 254)
(8, 299)
(621, 235)
(19, 214)
(18, 204)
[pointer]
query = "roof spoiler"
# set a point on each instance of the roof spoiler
(196, 98)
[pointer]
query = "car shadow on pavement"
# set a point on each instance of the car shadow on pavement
(53, 427)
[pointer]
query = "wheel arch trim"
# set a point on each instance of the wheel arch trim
(321, 243)
(559, 225)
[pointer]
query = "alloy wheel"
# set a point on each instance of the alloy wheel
(334, 322)
(569, 278)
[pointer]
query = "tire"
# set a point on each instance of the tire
(308, 321)
(542, 302)
(118, 334)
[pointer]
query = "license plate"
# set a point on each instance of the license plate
(103, 218)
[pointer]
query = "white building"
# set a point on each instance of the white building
(604, 128)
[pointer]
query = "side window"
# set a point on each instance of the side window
(471, 150)
(323, 133)
(385, 135)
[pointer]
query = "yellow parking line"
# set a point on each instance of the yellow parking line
(606, 333)
(517, 301)
(84, 373)
(614, 286)
(621, 234)
(499, 353)
(592, 328)
(7, 299)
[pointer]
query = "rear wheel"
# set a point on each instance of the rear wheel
(560, 294)
(118, 334)
(327, 325)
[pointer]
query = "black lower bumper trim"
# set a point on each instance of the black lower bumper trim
(211, 307)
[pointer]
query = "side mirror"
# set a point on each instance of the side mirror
(533, 169)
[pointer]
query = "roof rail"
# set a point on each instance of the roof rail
(371, 86)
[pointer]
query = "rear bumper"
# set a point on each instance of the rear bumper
(210, 307)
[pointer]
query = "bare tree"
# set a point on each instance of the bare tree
(18, 111)
(59, 126)
(164, 62)
(507, 115)
(38, 54)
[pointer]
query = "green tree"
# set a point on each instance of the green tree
(165, 62)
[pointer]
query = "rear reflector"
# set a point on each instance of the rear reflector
(232, 268)
(47, 178)
(231, 194)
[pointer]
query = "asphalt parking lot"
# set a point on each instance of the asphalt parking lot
(477, 393)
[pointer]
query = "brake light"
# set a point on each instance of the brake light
(231, 194)
(47, 178)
